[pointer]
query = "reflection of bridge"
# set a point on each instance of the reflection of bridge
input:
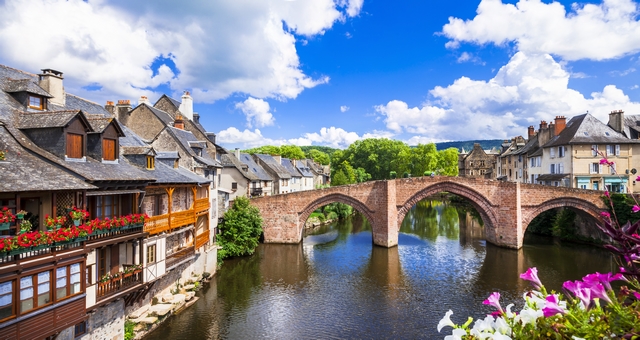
(506, 208)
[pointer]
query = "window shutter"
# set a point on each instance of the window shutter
(590, 168)
(594, 150)
(617, 150)
(108, 149)
(75, 147)
(553, 152)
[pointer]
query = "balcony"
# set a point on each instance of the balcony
(122, 284)
(157, 224)
(52, 252)
(256, 191)
(202, 239)
(179, 257)
(201, 206)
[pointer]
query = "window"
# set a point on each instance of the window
(234, 186)
(109, 149)
(481, 163)
(151, 163)
(176, 164)
(470, 163)
(539, 161)
(612, 169)
(61, 282)
(594, 150)
(552, 168)
(80, 329)
(519, 173)
(519, 158)
(107, 206)
(583, 186)
(75, 145)
(594, 168)
(35, 291)
(561, 151)
(156, 201)
(552, 152)
(151, 253)
(533, 162)
(36, 102)
(6, 300)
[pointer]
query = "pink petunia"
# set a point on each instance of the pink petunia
(635, 208)
(493, 300)
(532, 275)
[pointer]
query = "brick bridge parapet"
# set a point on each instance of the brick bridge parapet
(506, 208)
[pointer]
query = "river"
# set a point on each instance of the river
(337, 285)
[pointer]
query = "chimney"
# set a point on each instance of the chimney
(144, 100)
(561, 123)
(543, 124)
(51, 81)
(110, 107)
(186, 107)
(123, 108)
(278, 158)
(543, 133)
(212, 137)
(531, 132)
(196, 118)
(616, 120)
(178, 123)
(552, 130)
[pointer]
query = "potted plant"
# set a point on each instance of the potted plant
(105, 278)
(78, 215)
(20, 214)
(6, 218)
(54, 223)
(25, 226)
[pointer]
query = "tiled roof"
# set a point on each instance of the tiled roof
(184, 137)
(25, 171)
(276, 167)
(304, 169)
(586, 129)
(25, 85)
(86, 106)
(130, 138)
(230, 161)
(46, 119)
(255, 167)
(99, 123)
(287, 164)
(168, 155)
(163, 116)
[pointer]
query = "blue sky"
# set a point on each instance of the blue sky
(329, 72)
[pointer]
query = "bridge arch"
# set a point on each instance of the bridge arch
(560, 202)
(332, 198)
(477, 200)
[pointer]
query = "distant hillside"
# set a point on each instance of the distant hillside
(468, 145)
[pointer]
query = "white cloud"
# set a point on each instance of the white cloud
(587, 31)
(257, 112)
(333, 137)
(528, 89)
(218, 47)
(344, 108)
(354, 8)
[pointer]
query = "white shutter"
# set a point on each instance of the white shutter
(553, 152)
(617, 150)
(591, 168)
(560, 168)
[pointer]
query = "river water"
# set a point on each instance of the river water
(337, 285)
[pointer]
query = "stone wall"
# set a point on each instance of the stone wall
(106, 322)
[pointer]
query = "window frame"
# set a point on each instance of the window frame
(41, 99)
(151, 255)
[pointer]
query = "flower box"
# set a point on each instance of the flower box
(76, 223)
(5, 226)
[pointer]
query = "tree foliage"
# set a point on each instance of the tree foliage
(318, 156)
(286, 151)
(378, 158)
(240, 230)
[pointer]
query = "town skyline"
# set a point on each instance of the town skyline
(331, 72)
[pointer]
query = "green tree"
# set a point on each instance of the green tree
(319, 156)
(291, 152)
(240, 230)
(343, 174)
(424, 157)
(377, 156)
(361, 175)
(264, 150)
(448, 162)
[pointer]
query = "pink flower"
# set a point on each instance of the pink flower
(604, 161)
(493, 300)
(638, 178)
(605, 214)
(551, 307)
(606, 193)
(532, 275)
(635, 208)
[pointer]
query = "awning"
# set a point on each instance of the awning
(114, 192)
(615, 180)
(225, 190)
(583, 180)
(551, 177)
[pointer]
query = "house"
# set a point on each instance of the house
(307, 180)
(295, 183)
(321, 173)
(508, 162)
(236, 175)
(477, 163)
(281, 176)
(264, 186)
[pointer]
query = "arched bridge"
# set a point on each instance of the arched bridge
(506, 208)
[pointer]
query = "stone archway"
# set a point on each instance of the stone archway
(333, 198)
(529, 213)
(476, 199)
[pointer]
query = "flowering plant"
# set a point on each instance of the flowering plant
(6, 216)
(25, 226)
(54, 222)
(78, 214)
(3, 155)
(105, 278)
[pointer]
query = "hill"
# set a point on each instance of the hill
(468, 145)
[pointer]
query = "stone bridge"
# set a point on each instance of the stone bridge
(506, 208)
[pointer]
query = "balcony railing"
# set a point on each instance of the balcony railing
(201, 206)
(113, 286)
(256, 191)
(182, 254)
(157, 224)
(183, 218)
(52, 250)
(202, 239)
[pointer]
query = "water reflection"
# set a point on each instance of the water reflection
(336, 284)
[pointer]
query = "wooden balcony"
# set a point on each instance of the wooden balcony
(202, 239)
(52, 252)
(182, 218)
(181, 255)
(201, 206)
(156, 224)
(114, 287)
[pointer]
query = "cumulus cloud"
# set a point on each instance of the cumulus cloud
(354, 8)
(528, 89)
(333, 137)
(587, 31)
(344, 108)
(257, 112)
(213, 48)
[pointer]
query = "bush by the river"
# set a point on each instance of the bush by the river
(240, 231)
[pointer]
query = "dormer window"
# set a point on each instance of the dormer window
(36, 102)
(175, 164)
(108, 149)
(151, 163)
(75, 145)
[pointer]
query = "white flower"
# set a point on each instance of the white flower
(457, 334)
(576, 338)
(499, 336)
(483, 329)
(446, 321)
(501, 326)
(510, 315)
(529, 315)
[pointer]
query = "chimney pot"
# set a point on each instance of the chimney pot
(186, 106)
(52, 82)
(178, 123)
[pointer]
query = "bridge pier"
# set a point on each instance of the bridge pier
(385, 225)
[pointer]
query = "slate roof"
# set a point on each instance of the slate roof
(99, 123)
(130, 138)
(287, 164)
(529, 148)
(632, 126)
(136, 150)
(304, 169)
(25, 85)
(165, 174)
(24, 171)
(230, 161)
(47, 119)
(586, 129)
(163, 116)
(254, 167)
(276, 167)
(184, 137)
(168, 155)
(86, 106)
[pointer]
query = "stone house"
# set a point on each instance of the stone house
(295, 183)
(321, 173)
(307, 180)
(280, 175)
(236, 175)
(508, 162)
(477, 163)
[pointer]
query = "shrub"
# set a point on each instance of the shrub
(240, 231)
